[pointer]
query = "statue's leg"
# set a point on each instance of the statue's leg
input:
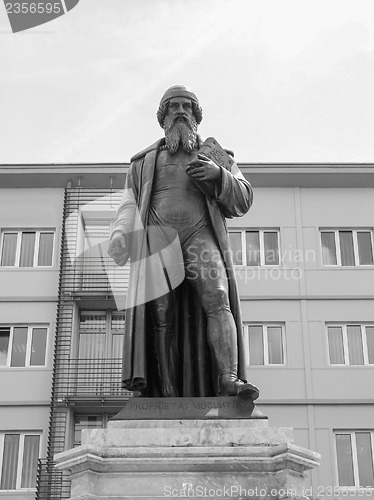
(162, 312)
(206, 272)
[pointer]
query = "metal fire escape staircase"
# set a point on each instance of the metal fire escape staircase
(76, 383)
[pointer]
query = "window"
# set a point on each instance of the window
(27, 248)
(89, 422)
(255, 248)
(265, 344)
(97, 271)
(351, 344)
(354, 453)
(95, 258)
(19, 453)
(100, 352)
(101, 334)
(23, 345)
(351, 247)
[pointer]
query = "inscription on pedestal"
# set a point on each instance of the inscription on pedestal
(188, 408)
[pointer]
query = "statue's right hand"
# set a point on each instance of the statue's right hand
(118, 249)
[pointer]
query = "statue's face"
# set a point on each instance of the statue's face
(180, 109)
(180, 125)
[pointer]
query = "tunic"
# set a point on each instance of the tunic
(177, 202)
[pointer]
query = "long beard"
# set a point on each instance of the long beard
(181, 132)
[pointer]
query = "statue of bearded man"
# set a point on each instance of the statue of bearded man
(186, 341)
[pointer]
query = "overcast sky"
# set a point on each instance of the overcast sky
(279, 81)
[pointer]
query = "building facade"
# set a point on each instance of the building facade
(305, 270)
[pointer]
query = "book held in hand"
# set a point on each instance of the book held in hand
(214, 151)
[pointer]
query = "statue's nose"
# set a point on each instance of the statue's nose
(181, 115)
(180, 109)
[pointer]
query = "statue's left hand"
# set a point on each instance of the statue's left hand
(203, 169)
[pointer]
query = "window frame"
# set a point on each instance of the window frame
(19, 233)
(30, 329)
(21, 448)
(338, 254)
(107, 330)
(105, 418)
(265, 341)
(356, 477)
(95, 212)
(261, 232)
(345, 343)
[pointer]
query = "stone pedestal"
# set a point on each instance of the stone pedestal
(201, 458)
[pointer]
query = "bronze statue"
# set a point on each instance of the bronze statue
(188, 340)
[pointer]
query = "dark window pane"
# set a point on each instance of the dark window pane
(275, 345)
(236, 247)
(370, 343)
(8, 255)
(253, 248)
(39, 340)
(336, 350)
(45, 249)
(4, 345)
(355, 351)
(256, 345)
(27, 250)
(345, 463)
(346, 248)
(271, 248)
(365, 250)
(10, 462)
(364, 459)
(30, 461)
(328, 248)
(19, 346)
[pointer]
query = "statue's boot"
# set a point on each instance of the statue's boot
(165, 353)
(166, 356)
(232, 386)
(223, 341)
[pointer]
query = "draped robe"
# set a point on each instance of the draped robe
(197, 370)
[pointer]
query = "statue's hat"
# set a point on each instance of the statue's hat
(178, 91)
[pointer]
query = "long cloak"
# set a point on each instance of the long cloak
(197, 371)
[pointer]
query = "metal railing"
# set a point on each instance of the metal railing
(100, 274)
(92, 377)
(51, 484)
